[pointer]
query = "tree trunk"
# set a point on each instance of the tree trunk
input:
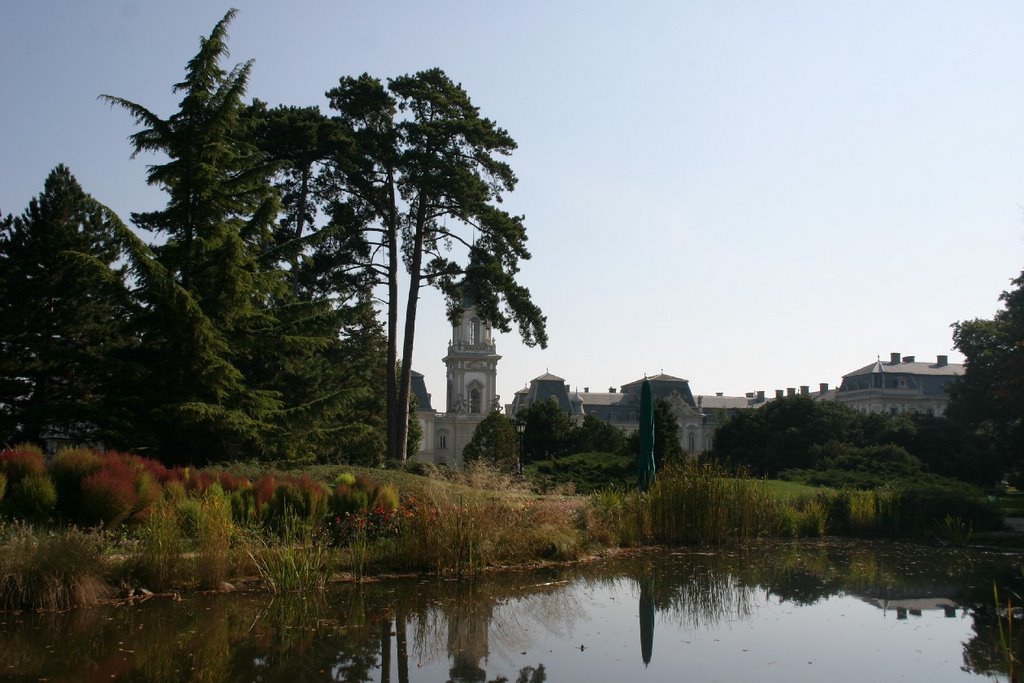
(412, 303)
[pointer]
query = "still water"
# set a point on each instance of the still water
(806, 611)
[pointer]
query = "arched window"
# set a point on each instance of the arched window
(474, 331)
(442, 440)
(474, 401)
(693, 443)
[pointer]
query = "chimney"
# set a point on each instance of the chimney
(942, 361)
(790, 391)
(760, 397)
(779, 393)
(908, 359)
(805, 390)
(823, 387)
(894, 359)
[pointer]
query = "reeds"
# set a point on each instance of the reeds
(52, 572)
(295, 562)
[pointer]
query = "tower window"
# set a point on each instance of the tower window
(474, 401)
(442, 440)
(474, 331)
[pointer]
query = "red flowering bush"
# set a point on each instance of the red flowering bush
(109, 495)
(21, 461)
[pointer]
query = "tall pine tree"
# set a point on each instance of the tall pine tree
(425, 168)
(219, 327)
(63, 303)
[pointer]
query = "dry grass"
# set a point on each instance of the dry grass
(41, 571)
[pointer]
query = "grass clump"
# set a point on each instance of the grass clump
(294, 562)
(52, 572)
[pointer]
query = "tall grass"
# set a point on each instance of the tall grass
(294, 562)
(52, 572)
(159, 561)
(215, 529)
(703, 504)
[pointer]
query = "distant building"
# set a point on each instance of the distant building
(620, 408)
(472, 370)
(900, 386)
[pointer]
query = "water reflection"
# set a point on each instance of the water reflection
(719, 610)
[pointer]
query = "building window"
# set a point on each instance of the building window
(693, 443)
(474, 331)
(894, 410)
(442, 440)
(474, 401)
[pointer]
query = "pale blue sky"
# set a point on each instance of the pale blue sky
(751, 195)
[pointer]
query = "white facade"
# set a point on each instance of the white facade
(472, 371)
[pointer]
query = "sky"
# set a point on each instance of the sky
(751, 195)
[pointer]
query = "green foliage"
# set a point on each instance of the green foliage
(825, 443)
(594, 435)
(69, 467)
(585, 472)
(425, 171)
(495, 440)
(63, 302)
(990, 396)
(548, 433)
(33, 498)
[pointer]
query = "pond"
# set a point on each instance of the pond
(801, 611)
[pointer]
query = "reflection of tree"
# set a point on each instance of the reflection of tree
(527, 674)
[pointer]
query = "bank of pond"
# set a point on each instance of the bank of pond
(86, 526)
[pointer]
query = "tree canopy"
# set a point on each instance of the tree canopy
(64, 304)
(990, 397)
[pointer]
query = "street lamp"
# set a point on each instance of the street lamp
(521, 429)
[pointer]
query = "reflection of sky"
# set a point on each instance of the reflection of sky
(841, 638)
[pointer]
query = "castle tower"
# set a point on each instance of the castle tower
(472, 366)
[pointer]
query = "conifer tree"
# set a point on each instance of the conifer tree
(219, 327)
(425, 169)
(63, 303)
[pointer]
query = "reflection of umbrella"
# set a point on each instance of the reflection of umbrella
(646, 618)
(645, 458)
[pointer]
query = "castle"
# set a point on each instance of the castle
(900, 386)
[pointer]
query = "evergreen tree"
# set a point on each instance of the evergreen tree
(220, 331)
(424, 169)
(548, 432)
(494, 440)
(63, 303)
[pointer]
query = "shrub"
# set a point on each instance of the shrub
(109, 495)
(69, 468)
(3, 486)
(304, 500)
(347, 500)
(21, 461)
(386, 497)
(32, 497)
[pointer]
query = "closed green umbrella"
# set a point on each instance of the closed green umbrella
(645, 458)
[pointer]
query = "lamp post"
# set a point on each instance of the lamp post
(520, 429)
